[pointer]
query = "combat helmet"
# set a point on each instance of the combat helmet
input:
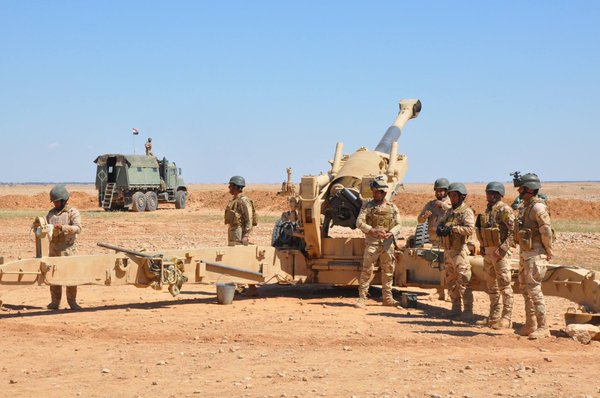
(495, 186)
(379, 184)
(441, 183)
(238, 180)
(531, 181)
(59, 192)
(457, 187)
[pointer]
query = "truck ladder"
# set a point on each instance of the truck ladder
(108, 195)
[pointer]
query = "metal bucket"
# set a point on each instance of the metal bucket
(225, 292)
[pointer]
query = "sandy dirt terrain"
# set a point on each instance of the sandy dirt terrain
(285, 342)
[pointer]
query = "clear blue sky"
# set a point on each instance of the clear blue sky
(252, 87)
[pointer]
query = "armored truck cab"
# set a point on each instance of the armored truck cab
(138, 182)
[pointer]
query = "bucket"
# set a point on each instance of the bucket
(225, 292)
(409, 300)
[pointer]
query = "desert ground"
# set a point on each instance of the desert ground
(287, 341)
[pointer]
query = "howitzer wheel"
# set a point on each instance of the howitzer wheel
(139, 202)
(151, 201)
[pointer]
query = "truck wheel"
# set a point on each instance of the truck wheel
(151, 201)
(180, 199)
(139, 202)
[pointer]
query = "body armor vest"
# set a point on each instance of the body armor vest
(491, 228)
(527, 228)
(381, 216)
(455, 241)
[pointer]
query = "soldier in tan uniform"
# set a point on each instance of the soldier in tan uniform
(239, 213)
(66, 224)
(534, 236)
(435, 209)
(380, 221)
(495, 229)
(148, 147)
(457, 225)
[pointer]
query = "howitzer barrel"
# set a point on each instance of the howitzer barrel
(124, 250)
(409, 109)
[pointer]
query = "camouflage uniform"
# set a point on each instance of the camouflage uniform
(495, 229)
(238, 215)
(437, 208)
(63, 244)
(534, 237)
(383, 215)
(458, 270)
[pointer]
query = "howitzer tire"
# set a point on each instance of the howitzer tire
(139, 202)
(180, 199)
(151, 201)
(422, 234)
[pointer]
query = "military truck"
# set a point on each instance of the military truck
(138, 182)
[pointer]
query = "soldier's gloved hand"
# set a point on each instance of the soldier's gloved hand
(427, 214)
(549, 255)
(245, 240)
(442, 230)
(58, 227)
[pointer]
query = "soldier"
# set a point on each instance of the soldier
(435, 209)
(534, 237)
(454, 229)
(148, 146)
(66, 222)
(495, 229)
(239, 213)
(380, 221)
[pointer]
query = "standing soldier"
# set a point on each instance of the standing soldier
(66, 222)
(380, 221)
(148, 147)
(534, 237)
(454, 229)
(495, 229)
(435, 209)
(239, 213)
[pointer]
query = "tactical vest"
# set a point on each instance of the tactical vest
(233, 214)
(527, 230)
(381, 216)
(492, 230)
(455, 241)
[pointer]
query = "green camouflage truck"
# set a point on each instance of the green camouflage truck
(138, 182)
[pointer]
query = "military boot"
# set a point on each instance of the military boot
(530, 325)
(467, 315)
(361, 301)
(542, 330)
(456, 310)
(72, 297)
(502, 323)
(55, 297)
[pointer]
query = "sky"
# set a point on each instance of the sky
(252, 87)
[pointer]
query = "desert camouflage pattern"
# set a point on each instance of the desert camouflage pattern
(238, 216)
(458, 268)
(63, 242)
(148, 147)
(498, 218)
(378, 215)
(437, 208)
(534, 236)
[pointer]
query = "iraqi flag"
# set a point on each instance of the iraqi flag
(135, 131)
